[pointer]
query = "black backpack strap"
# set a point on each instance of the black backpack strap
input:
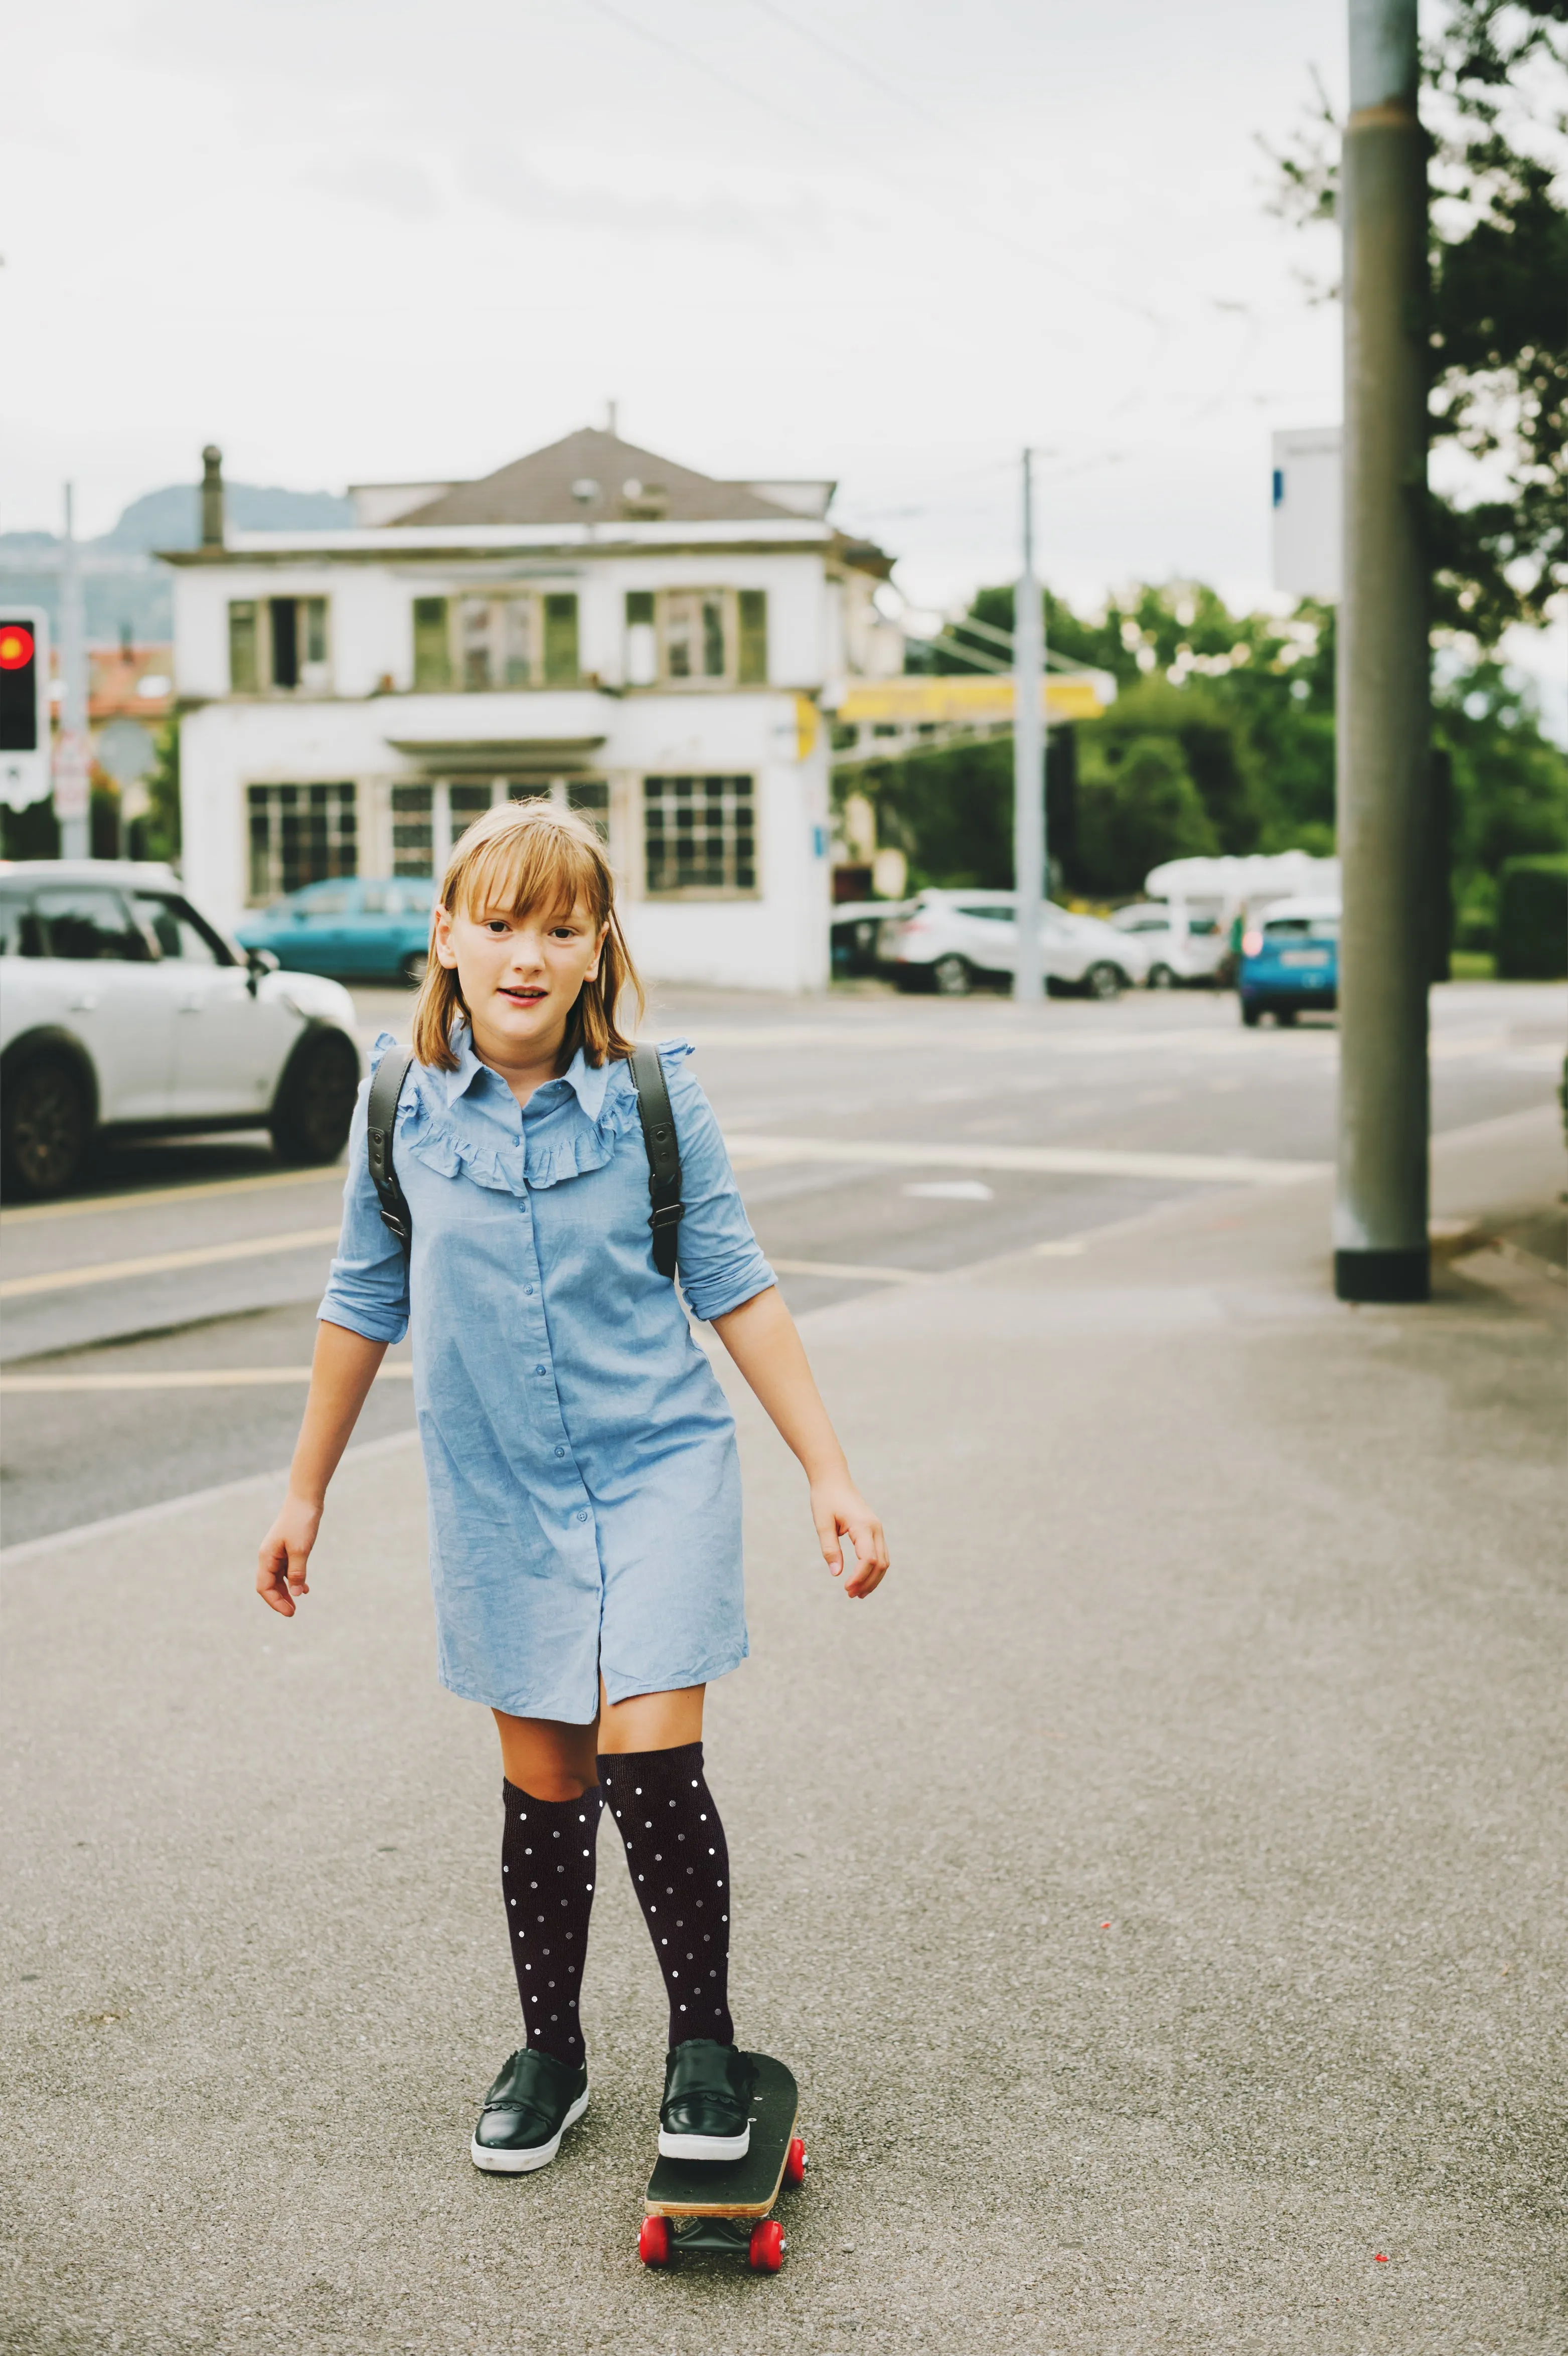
(663, 1155)
(381, 1114)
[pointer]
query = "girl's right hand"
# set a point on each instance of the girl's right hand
(286, 1554)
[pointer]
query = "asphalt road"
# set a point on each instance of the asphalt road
(154, 1329)
(1157, 1888)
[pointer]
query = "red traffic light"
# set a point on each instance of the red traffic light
(15, 646)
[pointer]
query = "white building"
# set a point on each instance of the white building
(639, 642)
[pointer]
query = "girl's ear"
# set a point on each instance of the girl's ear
(442, 943)
(592, 972)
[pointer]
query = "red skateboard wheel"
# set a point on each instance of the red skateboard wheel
(795, 2162)
(653, 2241)
(767, 2246)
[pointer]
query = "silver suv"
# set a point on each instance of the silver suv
(123, 1008)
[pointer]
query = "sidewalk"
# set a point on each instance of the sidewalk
(1158, 1890)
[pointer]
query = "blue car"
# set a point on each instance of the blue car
(376, 928)
(1290, 961)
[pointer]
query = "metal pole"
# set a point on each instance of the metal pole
(1385, 954)
(1028, 795)
(72, 804)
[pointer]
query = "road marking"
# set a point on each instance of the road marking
(27, 1214)
(1048, 1161)
(56, 1541)
(109, 1271)
(851, 1270)
(179, 1378)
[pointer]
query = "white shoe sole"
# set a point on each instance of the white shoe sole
(695, 2146)
(522, 2163)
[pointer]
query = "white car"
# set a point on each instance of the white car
(122, 1007)
(1180, 944)
(951, 940)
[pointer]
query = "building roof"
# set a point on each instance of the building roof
(632, 485)
(135, 682)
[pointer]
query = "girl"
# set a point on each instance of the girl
(585, 1495)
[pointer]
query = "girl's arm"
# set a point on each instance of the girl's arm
(761, 1336)
(341, 1373)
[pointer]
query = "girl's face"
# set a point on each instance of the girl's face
(520, 975)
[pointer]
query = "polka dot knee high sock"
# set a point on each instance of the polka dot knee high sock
(680, 1870)
(547, 1880)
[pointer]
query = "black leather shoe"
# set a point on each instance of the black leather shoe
(706, 2110)
(527, 2110)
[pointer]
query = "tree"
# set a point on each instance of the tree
(1137, 806)
(158, 832)
(1496, 75)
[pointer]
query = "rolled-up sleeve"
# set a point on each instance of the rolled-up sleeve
(367, 1289)
(720, 1261)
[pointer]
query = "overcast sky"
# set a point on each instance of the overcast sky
(885, 240)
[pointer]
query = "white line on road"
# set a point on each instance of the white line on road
(179, 1378)
(56, 1541)
(108, 1271)
(1052, 1161)
(134, 1199)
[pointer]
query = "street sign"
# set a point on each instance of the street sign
(23, 705)
(72, 770)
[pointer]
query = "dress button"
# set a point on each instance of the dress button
(560, 1451)
(582, 1517)
(528, 1287)
(539, 1370)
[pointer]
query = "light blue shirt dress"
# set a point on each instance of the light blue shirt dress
(580, 1458)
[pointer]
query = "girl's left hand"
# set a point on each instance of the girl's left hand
(839, 1512)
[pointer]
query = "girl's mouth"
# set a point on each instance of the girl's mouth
(522, 994)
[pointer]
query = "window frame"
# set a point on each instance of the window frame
(746, 651)
(439, 641)
(253, 616)
(340, 839)
(736, 854)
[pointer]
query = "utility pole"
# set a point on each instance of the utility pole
(1384, 694)
(72, 758)
(1028, 763)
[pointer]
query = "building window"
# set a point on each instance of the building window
(700, 836)
(278, 642)
(482, 644)
(561, 641)
(300, 834)
(244, 668)
(641, 639)
(432, 653)
(715, 638)
(414, 829)
(694, 634)
(751, 666)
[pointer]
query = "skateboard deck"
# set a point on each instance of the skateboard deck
(715, 2204)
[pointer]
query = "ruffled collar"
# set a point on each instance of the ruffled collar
(467, 1122)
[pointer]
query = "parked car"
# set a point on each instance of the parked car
(375, 928)
(951, 940)
(1183, 944)
(859, 935)
(123, 1008)
(1289, 960)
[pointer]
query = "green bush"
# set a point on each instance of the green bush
(1532, 919)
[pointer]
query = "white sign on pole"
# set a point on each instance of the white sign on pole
(73, 769)
(1307, 513)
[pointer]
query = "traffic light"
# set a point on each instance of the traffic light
(24, 706)
(18, 687)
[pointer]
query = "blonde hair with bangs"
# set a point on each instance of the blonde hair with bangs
(523, 857)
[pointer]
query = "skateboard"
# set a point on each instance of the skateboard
(723, 2204)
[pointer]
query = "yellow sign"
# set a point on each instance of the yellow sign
(964, 701)
(808, 720)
